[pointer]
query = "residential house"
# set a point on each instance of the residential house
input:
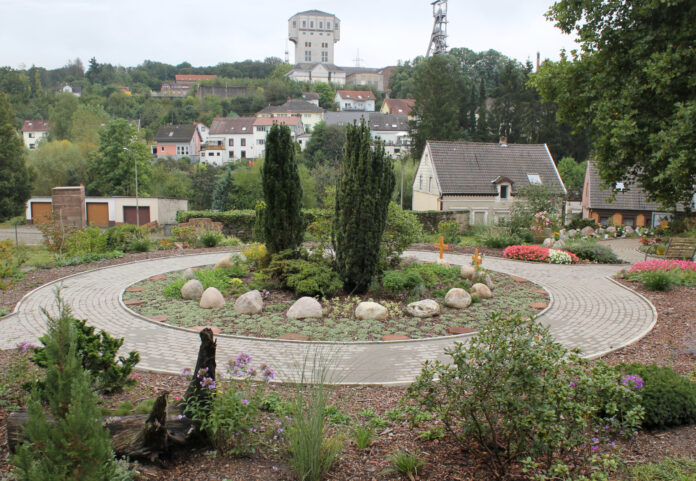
(392, 129)
(262, 125)
(317, 72)
(363, 100)
(33, 131)
(71, 89)
(481, 178)
(311, 97)
(310, 114)
(630, 206)
(230, 139)
(178, 141)
(345, 118)
(398, 106)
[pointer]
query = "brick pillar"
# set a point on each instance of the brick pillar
(69, 205)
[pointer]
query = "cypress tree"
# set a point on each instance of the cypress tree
(75, 445)
(283, 224)
(362, 200)
(223, 189)
(15, 177)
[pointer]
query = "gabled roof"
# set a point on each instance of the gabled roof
(277, 120)
(310, 96)
(633, 199)
(392, 122)
(232, 125)
(293, 106)
(360, 95)
(36, 126)
(345, 118)
(471, 168)
(175, 133)
(400, 106)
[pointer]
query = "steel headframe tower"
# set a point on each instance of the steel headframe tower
(438, 39)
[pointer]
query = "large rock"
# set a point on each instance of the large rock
(457, 298)
(226, 262)
(481, 291)
(305, 307)
(548, 242)
(424, 308)
(188, 274)
(611, 230)
(572, 233)
(192, 290)
(587, 231)
(628, 230)
(211, 299)
(467, 272)
(488, 281)
(249, 303)
(442, 262)
(371, 310)
(559, 244)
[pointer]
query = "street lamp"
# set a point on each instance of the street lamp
(137, 207)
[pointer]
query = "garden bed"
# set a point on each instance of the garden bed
(339, 322)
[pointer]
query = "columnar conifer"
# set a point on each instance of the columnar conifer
(283, 222)
(362, 200)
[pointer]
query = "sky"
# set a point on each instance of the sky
(48, 33)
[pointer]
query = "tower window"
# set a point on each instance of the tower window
(304, 23)
(328, 24)
(294, 23)
(324, 56)
(308, 55)
(311, 24)
(321, 25)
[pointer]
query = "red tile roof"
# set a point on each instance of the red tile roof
(192, 77)
(356, 94)
(400, 106)
(36, 126)
(277, 120)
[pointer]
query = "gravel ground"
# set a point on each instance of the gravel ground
(668, 344)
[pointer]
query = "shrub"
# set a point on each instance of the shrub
(304, 276)
(519, 394)
(578, 223)
(592, 251)
(217, 278)
(449, 230)
(535, 254)
(402, 229)
(55, 233)
(680, 272)
(11, 259)
(668, 398)
(138, 245)
(97, 355)
(209, 238)
(66, 260)
(173, 289)
(257, 255)
(657, 280)
(501, 240)
(186, 234)
(119, 237)
(86, 241)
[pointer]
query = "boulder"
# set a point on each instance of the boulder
(408, 260)
(371, 310)
(249, 303)
(481, 290)
(467, 272)
(559, 244)
(226, 262)
(611, 230)
(442, 262)
(548, 242)
(192, 290)
(457, 298)
(628, 230)
(587, 231)
(188, 274)
(572, 233)
(488, 281)
(211, 299)
(424, 308)
(305, 307)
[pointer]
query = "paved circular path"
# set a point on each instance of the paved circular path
(587, 310)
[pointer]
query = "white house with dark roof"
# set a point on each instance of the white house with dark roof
(229, 139)
(33, 131)
(363, 100)
(317, 72)
(481, 178)
(392, 129)
(262, 125)
(310, 113)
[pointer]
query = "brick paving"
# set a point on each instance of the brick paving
(586, 310)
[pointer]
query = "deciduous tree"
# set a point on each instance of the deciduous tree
(15, 177)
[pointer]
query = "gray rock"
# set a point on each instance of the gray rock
(548, 242)
(371, 310)
(192, 290)
(211, 299)
(628, 230)
(424, 308)
(587, 230)
(249, 303)
(442, 262)
(305, 307)
(481, 290)
(226, 262)
(488, 281)
(467, 272)
(188, 274)
(611, 230)
(457, 298)
(572, 233)
(559, 244)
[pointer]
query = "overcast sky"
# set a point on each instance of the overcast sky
(48, 33)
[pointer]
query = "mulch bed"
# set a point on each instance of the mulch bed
(667, 344)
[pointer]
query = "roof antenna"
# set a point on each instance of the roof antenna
(357, 59)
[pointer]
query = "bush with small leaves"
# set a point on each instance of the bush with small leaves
(124, 237)
(449, 230)
(592, 251)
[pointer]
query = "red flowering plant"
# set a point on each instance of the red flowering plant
(533, 253)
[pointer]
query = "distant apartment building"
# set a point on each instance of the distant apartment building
(230, 139)
(310, 113)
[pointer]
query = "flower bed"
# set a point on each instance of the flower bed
(539, 254)
(662, 274)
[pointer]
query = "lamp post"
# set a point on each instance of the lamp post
(137, 206)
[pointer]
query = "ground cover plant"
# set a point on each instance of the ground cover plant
(661, 275)
(414, 282)
(539, 254)
(592, 251)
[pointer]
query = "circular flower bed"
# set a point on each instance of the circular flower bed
(539, 254)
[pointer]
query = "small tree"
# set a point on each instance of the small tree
(15, 178)
(362, 200)
(74, 445)
(283, 222)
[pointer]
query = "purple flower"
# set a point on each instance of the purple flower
(631, 381)
(245, 402)
(595, 440)
(572, 384)
(185, 371)
(594, 448)
(180, 417)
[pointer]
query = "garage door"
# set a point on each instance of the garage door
(41, 212)
(98, 214)
(129, 215)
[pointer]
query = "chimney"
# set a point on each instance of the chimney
(503, 141)
(538, 57)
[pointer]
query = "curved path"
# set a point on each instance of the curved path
(587, 310)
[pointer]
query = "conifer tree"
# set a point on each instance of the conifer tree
(75, 445)
(15, 177)
(283, 222)
(362, 200)
(223, 189)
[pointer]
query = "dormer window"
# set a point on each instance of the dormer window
(504, 191)
(620, 186)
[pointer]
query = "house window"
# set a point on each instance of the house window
(534, 179)
(311, 24)
(324, 56)
(620, 186)
(260, 141)
(230, 154)
(304, 23)
(328, 25)
(321, 25)
(243, 154)
(504, 191)
(628, 222)
(420, 182)
(308, 55)
(30, 135)
(430, 184)
(294, 23)
(231, 142)
(162, 148)
(242, 142)
(259, 128)
(32, 146)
